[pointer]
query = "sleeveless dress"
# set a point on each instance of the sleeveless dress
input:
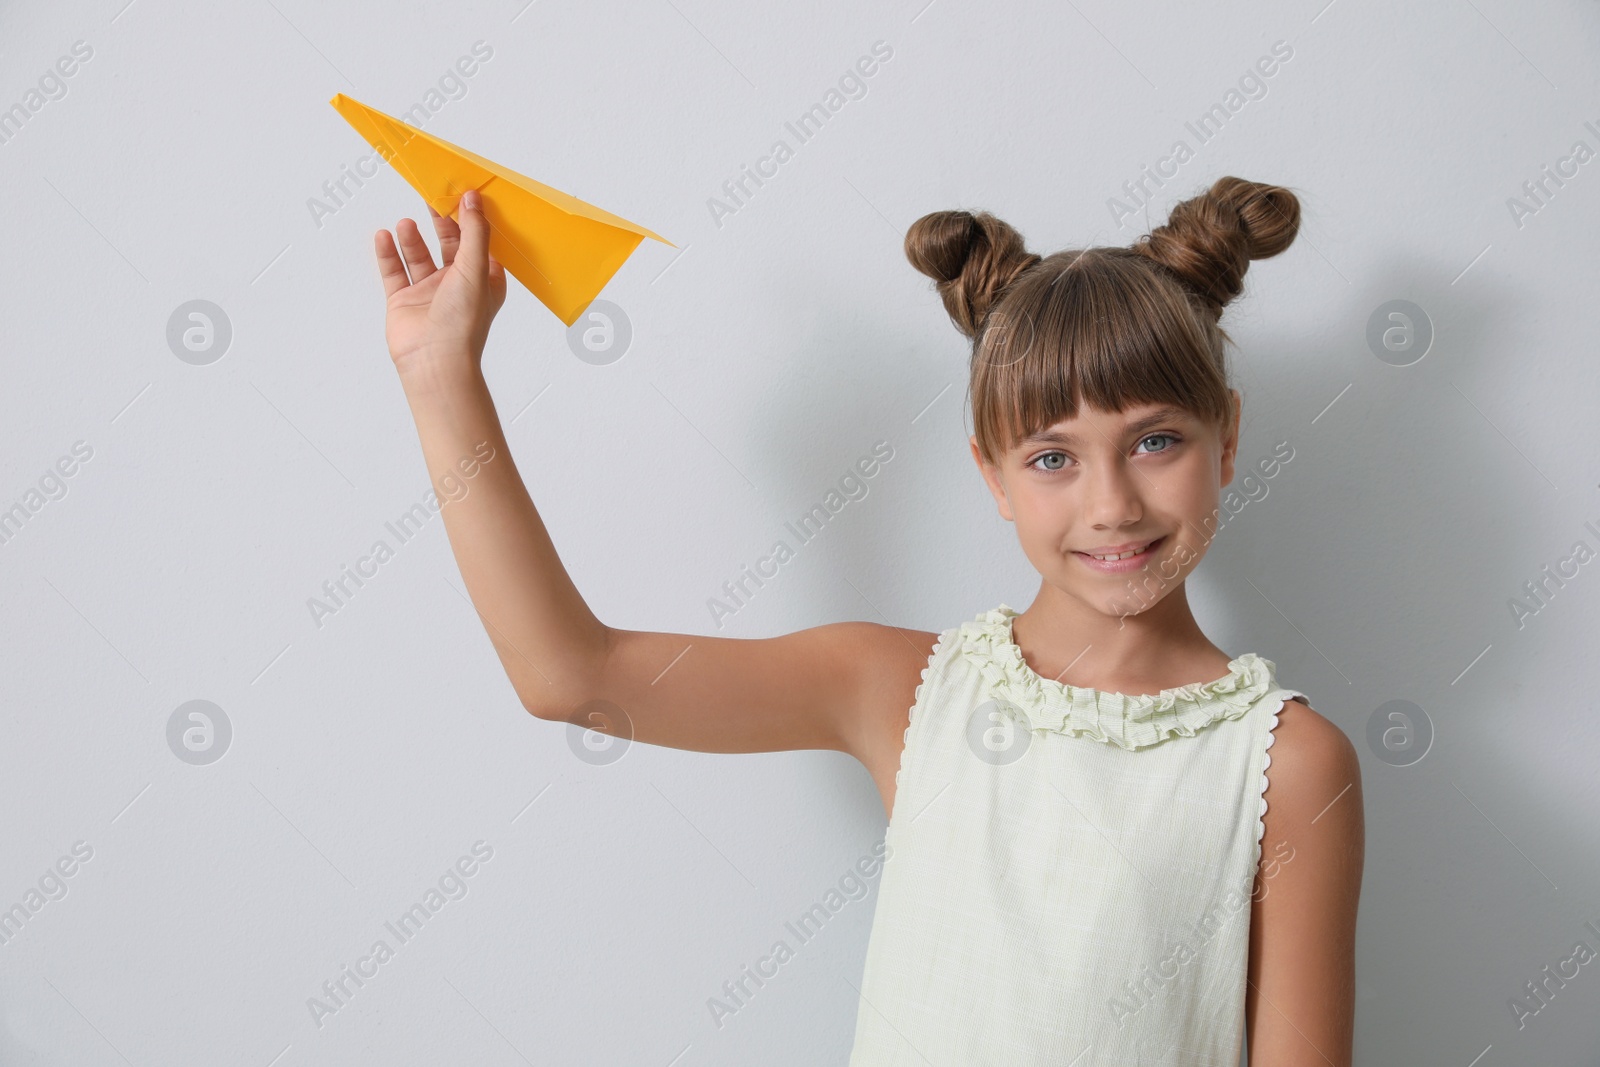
(1068, 872)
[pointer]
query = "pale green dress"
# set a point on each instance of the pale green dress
(1068, 873)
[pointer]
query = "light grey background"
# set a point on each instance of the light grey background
(770, 352)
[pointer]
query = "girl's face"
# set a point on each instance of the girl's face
(1147, 480)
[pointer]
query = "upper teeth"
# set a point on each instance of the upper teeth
(1123, 555)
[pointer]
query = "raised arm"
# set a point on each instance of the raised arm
(835, 686)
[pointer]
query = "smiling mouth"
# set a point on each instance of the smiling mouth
(1131, 556)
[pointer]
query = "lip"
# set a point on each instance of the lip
(1120, 566)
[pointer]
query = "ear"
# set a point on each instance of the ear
(991, 478)
(1230, 438)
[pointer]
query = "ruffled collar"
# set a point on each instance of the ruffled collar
(1126, 720)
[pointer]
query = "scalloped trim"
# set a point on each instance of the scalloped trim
(1284, 696)
(911, 717)
(1129, 721)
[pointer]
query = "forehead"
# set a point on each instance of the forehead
(1093, 424)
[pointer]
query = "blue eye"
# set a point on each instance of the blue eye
(1041, 461)
(1157, 436)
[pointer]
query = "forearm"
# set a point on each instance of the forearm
(548, 640)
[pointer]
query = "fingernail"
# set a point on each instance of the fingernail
(470, 198)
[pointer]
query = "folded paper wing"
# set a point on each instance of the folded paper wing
(561, 248)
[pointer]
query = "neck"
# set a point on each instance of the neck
(1067, 639)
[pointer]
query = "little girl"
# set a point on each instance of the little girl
(1087, 862)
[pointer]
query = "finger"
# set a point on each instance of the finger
(415, 250)
(449, 236)
(473, 252)
(390, 267)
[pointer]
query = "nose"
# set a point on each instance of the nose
(1111, 495)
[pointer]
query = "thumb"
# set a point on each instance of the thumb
(473, 254)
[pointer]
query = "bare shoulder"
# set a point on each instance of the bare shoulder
(1300, 1003)
(871, 648)
(894, 659)
(1314, 770)
(823, 687)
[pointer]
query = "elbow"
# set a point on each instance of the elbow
(557, 709)
(543, 711)
(544, 701)
(573, 695)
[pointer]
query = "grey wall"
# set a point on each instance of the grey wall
(770, 350)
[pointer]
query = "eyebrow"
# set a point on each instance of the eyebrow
(1136, 426)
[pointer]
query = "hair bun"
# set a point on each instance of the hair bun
(972, 256)
(1209, 240)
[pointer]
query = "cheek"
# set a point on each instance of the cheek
(1032, 506)
(1180, 559)
(1193, 489)
(1044, 520)
(1201, 510)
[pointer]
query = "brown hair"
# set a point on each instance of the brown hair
(1110, 326)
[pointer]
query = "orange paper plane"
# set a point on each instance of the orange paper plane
(561, 248)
